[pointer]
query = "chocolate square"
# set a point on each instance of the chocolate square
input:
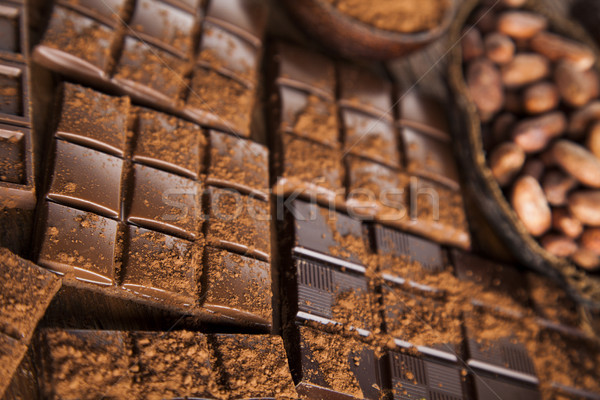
(72, 35)
(14, 97)
(86, 179)
(328, 232)
(78, 243)
(169, 143)
(311, 164)
(238, 164)
(163, 25)
(149, 73)
(110, 12)
(237, 286)
(338, 295)
(11, 354)
(191, 6)
(430, 157)
(370, 137)
(220, 101)
(239, 223)
(93, 119)
(309, 116)
(11, 24)
(418, 378)
(488, 387)
(422, 112)
(377, 190)
(246, 18)
(365, 91)
(165, 202)
(12, 156)
(162, 267)
(228, 53)
(305, 70)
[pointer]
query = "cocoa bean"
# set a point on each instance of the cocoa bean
(576, 87)
(558, 245)
(593, 140)
(534, 134)
(586, 259)
(565, 223)
(534, 168)
(499, 48)
(530, 204)
(557, 185)
(485, 86)
(557, 48)
(506, 160)
(540, 98)
(582, 118)
(472, 44)
(521, 24)
(578, 162)
(502, 127)
(525, 68)
(590, 240)
(585, 206)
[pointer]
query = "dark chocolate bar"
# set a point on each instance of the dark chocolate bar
(423, 378)
(355, 160)
(329, 366)
(27, 290)
(489, 387)
(178, 364)
(124, 208)
(163, 54)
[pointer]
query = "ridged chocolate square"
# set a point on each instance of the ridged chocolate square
(244, 17)
(78, 243)
(163, 25)
(422, 112)
(370, 137)
(365, 91)
(169, 143)
(12, 155)
(11, 28)
(238, 223)
(488, 387)
(93, 119)
(165, 202)
(86, 179)
(14, 99)
(162, 266)
(238, 286)
(110, 12)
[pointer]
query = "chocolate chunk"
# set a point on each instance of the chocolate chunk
(110, 12)
(400, 248)
(12, 154)
(163, 25)
(74, 41)
(415, 378)
(298, 165)
(506, 281)
(150, 74)
(422, 113)
(238, 164)
(228, 53)
(220, 101)
(93, 119)
(325, 291)
(506, 356)
(326, 234)
(430, 157)
(305, 70)
(165, 202)
(86, 179)
(169, 143)
(11, 28)
(86, 364)
(162, 267)
(331, 366)
(365, 91)
(370, 137)
(374, 189)
(239, 223)
(237, 285)
(488, 387)
(78, 243)
(169, 365)
(26, 293)
(421, 319)
(14, 96)
(309, 116)
(251, 366)
(245, 18)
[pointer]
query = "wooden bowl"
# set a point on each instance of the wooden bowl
(583, 286)
(355, 39)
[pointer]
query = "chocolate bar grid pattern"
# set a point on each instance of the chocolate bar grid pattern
(164, 259)
(16, 170)
(363, 147)
(172, 55)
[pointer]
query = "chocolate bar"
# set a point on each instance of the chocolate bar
(329, 366)
(27, 292)
(81, 364)
(124, 209)
(356, 161)
(163, 54)
(423, 378)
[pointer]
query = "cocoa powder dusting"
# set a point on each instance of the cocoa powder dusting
(405, 16)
